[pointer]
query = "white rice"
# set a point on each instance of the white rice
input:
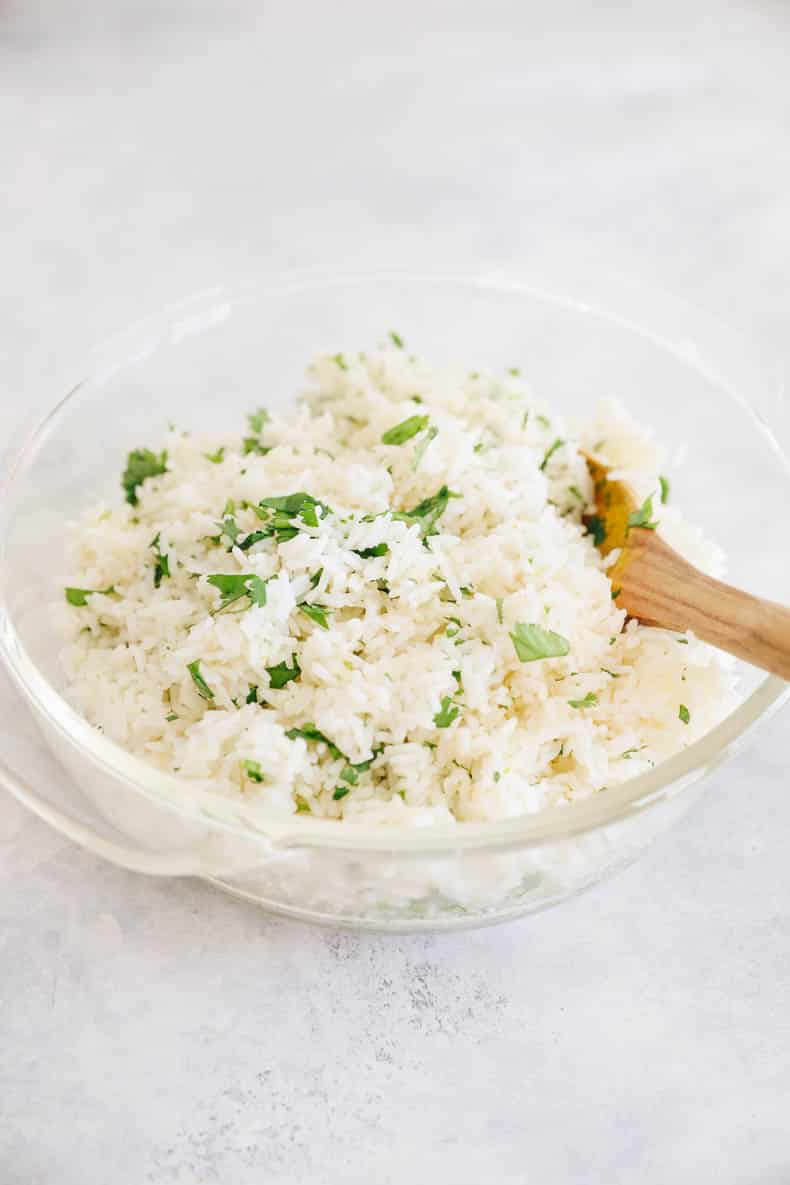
(418, 637)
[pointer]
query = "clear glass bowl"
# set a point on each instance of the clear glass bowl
(209, 360)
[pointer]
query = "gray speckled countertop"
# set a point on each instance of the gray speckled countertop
(158, 1032)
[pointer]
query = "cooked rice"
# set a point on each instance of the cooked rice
(417, 678)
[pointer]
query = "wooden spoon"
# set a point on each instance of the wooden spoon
(658, 587)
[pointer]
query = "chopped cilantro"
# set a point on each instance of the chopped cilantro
(170, 717)
(302, 805)
(682, 641)
(448, 712)
(162, 566)
(524, 420)
(397, 340)
(141, 464)
(79, 596)
(628, 754)
(203, 689)
(514, 370)
(421, 446)
(370, 553)
(229, 528)
(340, 361)
(428, 512)
(456, 623)
(257, 419)
(316, 577)
(606, 671)
(616, 590)
(684, 714)
(558, 443)
(589, 701)
(499, 603)
(340, 792)
(643, 517)
(309, 732)
(252, 770)
(252, 444)
(532, 642)
(316, 613)
(282, 673)
(466, 590)
(576, 493)
(291, 505)
(216, 457)
(252, 694)
(233, 587)
(404, 431)
(664, 483)
(595, 525)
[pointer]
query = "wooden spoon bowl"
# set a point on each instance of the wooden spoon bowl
(658, 587)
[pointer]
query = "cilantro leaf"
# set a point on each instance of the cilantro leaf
(404, 431)
(79, 596)
(419, 451)
(397, 340)
(340, 361)
(589, 701)
(141, 464)
(448, 712)
(370, 553)
(340, 792)
(252, 694)
(595, 526)
(684, 714)
(251, 444)
(532, 642)
(252, 769)
(428, 512)
(203, 689)
(316, 613)
(233, 587)
(643, 516)
(282, 673)
(162, 566)
(309, 732)
(216, 457)
(664, 483)
(257, 419)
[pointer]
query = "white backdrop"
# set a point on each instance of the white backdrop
(155, 1032)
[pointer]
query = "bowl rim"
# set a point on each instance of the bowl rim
(200, 311)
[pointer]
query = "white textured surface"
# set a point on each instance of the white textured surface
(158, 1032)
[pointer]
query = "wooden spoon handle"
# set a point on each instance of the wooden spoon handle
(660, 588)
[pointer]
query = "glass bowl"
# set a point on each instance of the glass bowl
(204, 364)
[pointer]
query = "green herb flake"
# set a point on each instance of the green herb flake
(252, 770)
(532, 642)
(79, 596)
(251, 444)
(340, 361)
(590, 700)
(252, 694)
(316, 577)
(427, 513)
(371, 553)
(203, 689)
(282, 674)
(664, 484)
(595, 526)
(217, 457)
(524, 420)
(170, 717)
(316, 613)
(233, 587)
(454, 627)
(682, 641)
(606, 671)
(643, 517)
(257, 420)
(558, 443)
(421, 446)
(309, 732)
(162, 565)
(302, 805)
(616, 590)
(499, 603)
(514, 370)
(448, 712)
(140, 465)
(684, 714)
(576, 492)
(397, 340)
(404, 431)
(340, 792)
(628, 754)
